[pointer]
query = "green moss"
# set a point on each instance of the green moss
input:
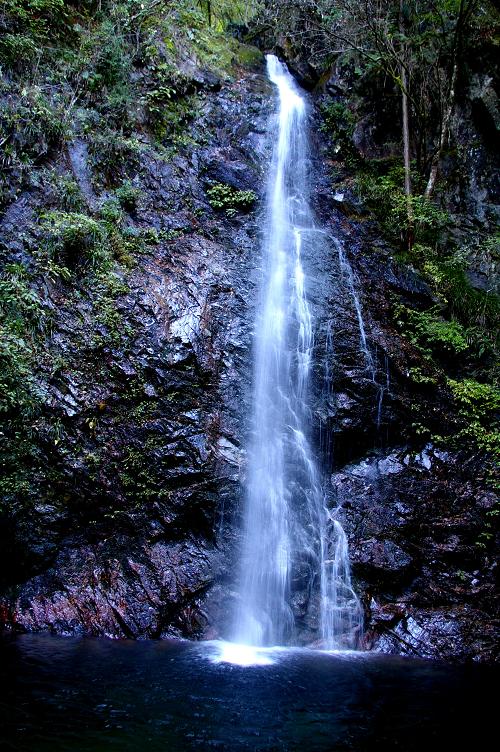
(248, 56)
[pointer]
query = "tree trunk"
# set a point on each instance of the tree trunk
(406, 139)
(464, 12)
(443, 137)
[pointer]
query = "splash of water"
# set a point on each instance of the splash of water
(294, 548)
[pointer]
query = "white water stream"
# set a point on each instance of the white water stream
(295, 565)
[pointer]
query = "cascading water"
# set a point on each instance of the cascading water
(294, 547)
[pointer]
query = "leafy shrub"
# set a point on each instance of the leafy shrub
(67, 192)
(474, 396)
(474, 307)
(385, 197)
(114, 156)
(103, 68)
(29, 127)
(73, 237)
(170, 111)
(42, 18)
(339, 123)
(111, 211)
(128, 196)
(110, 57)
(21, 316)
(225, 197)
(17, 50)
(430, 333)
(478, 407)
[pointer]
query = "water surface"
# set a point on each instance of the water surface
(92, 694)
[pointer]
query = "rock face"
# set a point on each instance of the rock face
(151, 402)
(138, 536)
(415, 518)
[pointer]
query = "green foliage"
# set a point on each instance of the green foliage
(478, 405)
(473, 396)
(17, 50)
(419, 377)
(73, 238)
(114, 156)
(385, 197)
(29, 126)
(42, 18)
(128, 196)
(18, 452)
(111, 212)
(339, 123)
(127, 244)
(18, 301)
(109, 58)
(102, 70)
(110, 330)
(67, 192)
(430, 333)
(21, 318)
(225, 197)
(220, 13)
(479, 311)
(169, 112)
(170, 235)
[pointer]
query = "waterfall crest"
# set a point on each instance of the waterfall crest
(294, 547)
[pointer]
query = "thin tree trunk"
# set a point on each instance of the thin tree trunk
(450, 102)
(406, 134)
(406, 140)
(443, 137)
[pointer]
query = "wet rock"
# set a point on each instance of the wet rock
(413, 523)
(150, 416)
(433, 634)
(485, 99)
(137, 530)
(236, 173)
(79, 160)
(86, 594)
(381, 561)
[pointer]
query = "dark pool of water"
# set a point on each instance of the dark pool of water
(85, 694)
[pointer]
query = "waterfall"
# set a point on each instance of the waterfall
(294, 564)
